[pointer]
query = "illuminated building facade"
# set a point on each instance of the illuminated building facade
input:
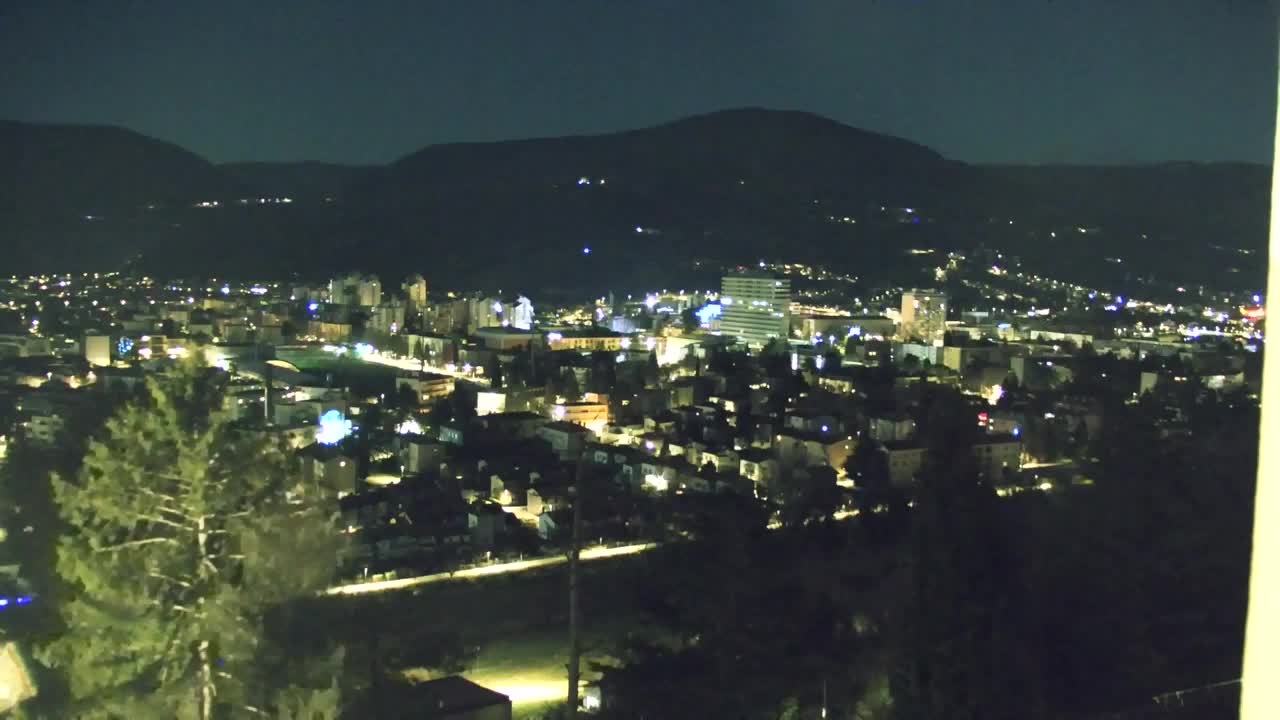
(333, 331)
(97, 350)
(389, 317)
(587, 341)
(355, 289)
(522, 314)
(484, 312)
(924, 316)
(998, 456)
(415, 293)
(427, 386)
(592, 415)
(755, 307)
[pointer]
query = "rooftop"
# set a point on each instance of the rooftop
(565, 426)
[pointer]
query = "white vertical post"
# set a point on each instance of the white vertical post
(1260, 693)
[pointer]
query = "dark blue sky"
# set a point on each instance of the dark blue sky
(371, 80)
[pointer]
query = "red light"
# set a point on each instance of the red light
(1253, 313)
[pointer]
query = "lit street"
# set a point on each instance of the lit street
(518, 566)
(413, 365)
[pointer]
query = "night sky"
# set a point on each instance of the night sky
(979, 80)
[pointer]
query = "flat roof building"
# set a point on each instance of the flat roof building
(756, 307)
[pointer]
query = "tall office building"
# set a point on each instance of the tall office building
(755, 307)
(924, 316)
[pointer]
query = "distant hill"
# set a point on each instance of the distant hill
(64, 190)
(734, 185)
(1179, 220)
(83, 168)
(298, 180)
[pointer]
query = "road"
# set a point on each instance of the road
(412, 365)
(515, 566)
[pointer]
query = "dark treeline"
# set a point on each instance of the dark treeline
(1090, 602)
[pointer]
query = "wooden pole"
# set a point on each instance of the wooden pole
(575, 550)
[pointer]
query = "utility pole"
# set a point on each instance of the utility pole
(824, 698)
(575, 549)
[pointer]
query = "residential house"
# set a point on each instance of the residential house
(999, 456)
(891, 428)
(453, 433)
(813, 421)
(547, 498)
(837, 382)
(330, 470)
(593, 415)
(567, 440)
(419, 454)
(802, 449)
(555, 524)
(427, 386)
(44, 413)
(759, 466)
(521, 425)
(487, 522)
(448, 698)
(661, 474)
(621, 459)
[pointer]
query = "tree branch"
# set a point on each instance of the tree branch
(176, 581)
(137, 543)
(164, 521)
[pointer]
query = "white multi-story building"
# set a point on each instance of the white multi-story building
(97, 350)
(415, 292)
(522, 314)
(924, 316)
(755, 307)
(44, 429)
(997, 456)
(483, 312)
(355, 289)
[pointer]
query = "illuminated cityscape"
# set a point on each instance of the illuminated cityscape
(470, 366)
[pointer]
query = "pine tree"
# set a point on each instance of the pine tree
(493, 371)
(298, 704)
(960, 646)
(569, 385)
(603, 376)
(651, 372)
(182, 537)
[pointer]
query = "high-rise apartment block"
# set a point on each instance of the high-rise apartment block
(355, 289)
(755, 307)
(924, 316)
(415, 292)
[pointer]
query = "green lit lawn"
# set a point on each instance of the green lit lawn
(518, 622)
(364, 377)
(530, 666)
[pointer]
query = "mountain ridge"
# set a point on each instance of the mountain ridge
(737, 183)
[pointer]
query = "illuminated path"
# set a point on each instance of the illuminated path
(517, 566)
(417, 365)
